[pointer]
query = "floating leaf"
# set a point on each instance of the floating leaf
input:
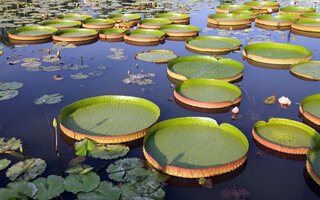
(129, 191)
(80, 169)
(31, 64)
(34, 69)
(79, 76)
(95, 73)
(118, 170)
(18, 190)
(10, 145)
(49, 187)
(103, 67)
(137, 79)
(27, 169)
(4, 163)
(10, 85)
(105, 190)
(81, 183)
(28, 60)
(83, 146)
(13, 62)
(76, 161)
(52, 68)
(270, 100)
(14, 56)
(8, 94)
(49, 99)
(50, 58)
(75, 67)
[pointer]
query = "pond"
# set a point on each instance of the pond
(99, 68)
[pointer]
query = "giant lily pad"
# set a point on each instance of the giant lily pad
(49, 188)
(230, 19)
(229, 8)
(98, 23)
(263, 6)
(153, 23)
(61, 24)
(112, 33)
(75, 34)
(125, 17)
(189, 67)
(145, 35)
(105, 190)
(313, 163)
(307, 70)
(178, 30)
(31, 32)
(310, 108)
(81, 183)
(284, 135)
(307, 24)
(176, 18)
(207, 93)
(313, 15)
(246, 12)
(108, 119)
(27, 169)
(75, 17)
(194, 147)
(276, 53)
(212, 44)
(296, 10)
(157, 56)
(278, 20)
(10, 145)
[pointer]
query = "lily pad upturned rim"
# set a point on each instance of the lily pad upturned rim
(181, 77)
(107, 23)
(276, 61)
(278, 146)
(237, 19)
(306, 114)
(144, 23)
(117, 33)
(176, 18)
(304, 24)
(158, 36)
(207, 83)
(296, 10)
(267, 20)
(253, 14)
(304, 76)
(232, 7)
(12, 33)
(158, 50)
(191, 30)
(312, 15)
(212, 50)
(133, 17)
(262, 5)
(73, 24)
(102, 99)
(312, 167)
(92, 34)
(66, 16)
(196, 173)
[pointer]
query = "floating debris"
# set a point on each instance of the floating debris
(57, 77)
(49, 99)
(270, 100)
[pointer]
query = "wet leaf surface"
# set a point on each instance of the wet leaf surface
(26, 170)
(49, 99)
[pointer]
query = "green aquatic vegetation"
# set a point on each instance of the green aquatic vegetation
(101, 151)
(10, 85)
(140, 79)
(81, 183)
(29, 60)
(52, 68)
(48, 188)
(103, 67)
(49, 99)
(118, 170)
(27, 169)
(8, 94)
(118, 54)
(79, 76)
(31, 64)
(105, 190)
(79, 169)
(14, 57)
(18, 190)
(50, 58)
(34, 68)
(74, 67)
(10, 145)
(95, 73)
(13, 62)
(4, 163)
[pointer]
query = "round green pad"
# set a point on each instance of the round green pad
(32, 30)
(75, 32)
(310, 68)
(195, 143)
(154, 56)
(213, 42)
(109, 115)
(311, 104)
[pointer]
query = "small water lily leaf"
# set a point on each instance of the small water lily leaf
(118, 170)
(95, 73)
(103, 67)
(139, 79)
(49, 99)
(23, 188)
(34, 69)
(49, 187)
(79, 76)
(27, 169)
(79, 169)
(14, 56)
(13, 62)
(129, 191)
(4, 163)
(50, 58)
(108, 151)
(28, 60)
(8, 94)
(10, 145)
(106, 190)
(83, 146)
(76, 161)
(11, 85)
(52, 68)
(8, 194)
(31, 64)
(81, 183)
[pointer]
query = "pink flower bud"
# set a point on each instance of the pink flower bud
(235, 110)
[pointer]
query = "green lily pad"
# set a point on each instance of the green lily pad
(8, 94)
(105, 190)
(174, 17)
(124, 17)
(157, 56)
(309, 70)
(288, 135)
(102, 151)
(75, 17)
(261, 3)
(50, 58)
(111, 117)
(278, 19)
(75, 33)
(232, 7)
(79, 169)
(49, 99)
(314, 15)
(27, 169)
(313, 163)
(296, 9)
(81, 183)
(140, 79)
(192, 147)
(118, 170)
(49, 188)
(178, 28)
(30, 59)
(79, 76)
(98, 23)
(112, 33)
(190, 67)
(153, 23)
(61, 24)
(246, 12)
(31, 64)
(229, 19)
(18, 190)
(95, 73)
(31, 31)
(212, 44)
(146, 33)
(10, 145)
(10, 85)
(4, 163)
(304, 24)
(311, 106)
(52, 68)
